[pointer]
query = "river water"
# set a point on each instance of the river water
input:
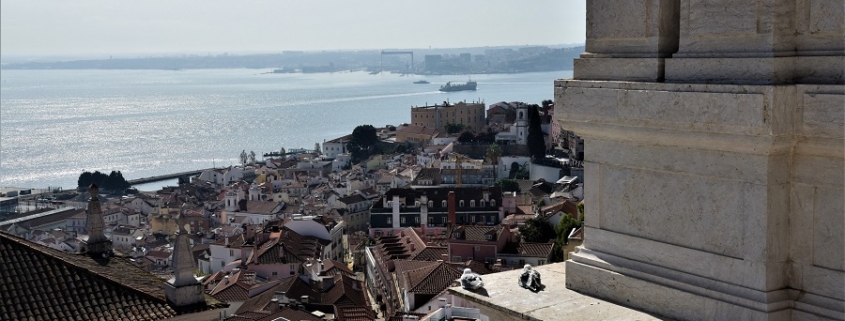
(54, 124)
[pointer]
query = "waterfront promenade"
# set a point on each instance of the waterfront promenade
(162, 177)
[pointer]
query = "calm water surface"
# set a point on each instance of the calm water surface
(56, 123)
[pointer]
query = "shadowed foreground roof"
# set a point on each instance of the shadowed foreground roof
(40, 283)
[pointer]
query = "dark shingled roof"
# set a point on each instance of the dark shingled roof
(528, 249)
(353, 313)
(39, 283)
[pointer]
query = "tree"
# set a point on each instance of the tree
(536, 231)
(364, 136)
(244, 157)
(536, 142)
(466, 137)
(507, 185)
(547, 104)
(455, 128)
(514, 170)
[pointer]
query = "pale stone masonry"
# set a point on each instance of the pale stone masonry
(714, 150)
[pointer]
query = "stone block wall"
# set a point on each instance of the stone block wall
(715, 159)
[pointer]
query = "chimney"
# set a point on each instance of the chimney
(183, 289)
(451, 203)
(96, 243)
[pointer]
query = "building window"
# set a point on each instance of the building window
(456, 259)
(416, 220)
(231, 252)
(402, 220)
(541, 262)
(430, 203)
(492, 202)
(430, 220)
(461, 203)
(483, 203)
(275, 273)
(389, 220)
(443, 204)
(472, 203)
(472, 219)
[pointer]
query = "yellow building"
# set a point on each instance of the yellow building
(438, 116)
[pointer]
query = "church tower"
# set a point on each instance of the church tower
(521, 124)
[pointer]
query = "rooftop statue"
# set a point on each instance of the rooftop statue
(530, 279)
(471, 281)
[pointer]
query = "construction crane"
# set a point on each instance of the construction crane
(459, 159)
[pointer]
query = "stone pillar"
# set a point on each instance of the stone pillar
(759, 42)
(718, 196)
(183, 289)
(628, 39)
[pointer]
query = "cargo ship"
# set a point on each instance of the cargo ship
(448, 87)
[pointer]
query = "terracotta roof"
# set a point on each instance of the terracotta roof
(352, 199)
(528, 249)
(262, 207)
(353, 313)
(39, 283)
(332, 267)
(431, 253)
(288, 313)
(293, 287)
(414, 129)
(235, 288)
(346, 291)
(289, 247)
(431, 279)
(47, 219)
(476, 232)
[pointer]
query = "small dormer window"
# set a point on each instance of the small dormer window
(489, 237)
(483, 203)
(443, 204)
(492, 202)
(417, 204)
(430, 203)
(472, 203)
(461, 204)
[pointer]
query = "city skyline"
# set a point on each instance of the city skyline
(95, 27)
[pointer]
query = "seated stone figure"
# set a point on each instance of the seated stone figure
(530, 279)
(471, 281)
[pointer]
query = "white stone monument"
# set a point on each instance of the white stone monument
(713, 157)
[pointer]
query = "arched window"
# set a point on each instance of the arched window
(483, 203)
(430, 203)
(461, 203)
(417, 204)
(520, 115)
(472, 203)
(443, 204)
(492, 202)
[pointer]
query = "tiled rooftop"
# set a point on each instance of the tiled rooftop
(39, 283)
(501, 295)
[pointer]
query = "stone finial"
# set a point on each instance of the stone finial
(93, 190)
(97, 243)
(183, 289)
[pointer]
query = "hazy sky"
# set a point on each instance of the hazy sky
(39, 27)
